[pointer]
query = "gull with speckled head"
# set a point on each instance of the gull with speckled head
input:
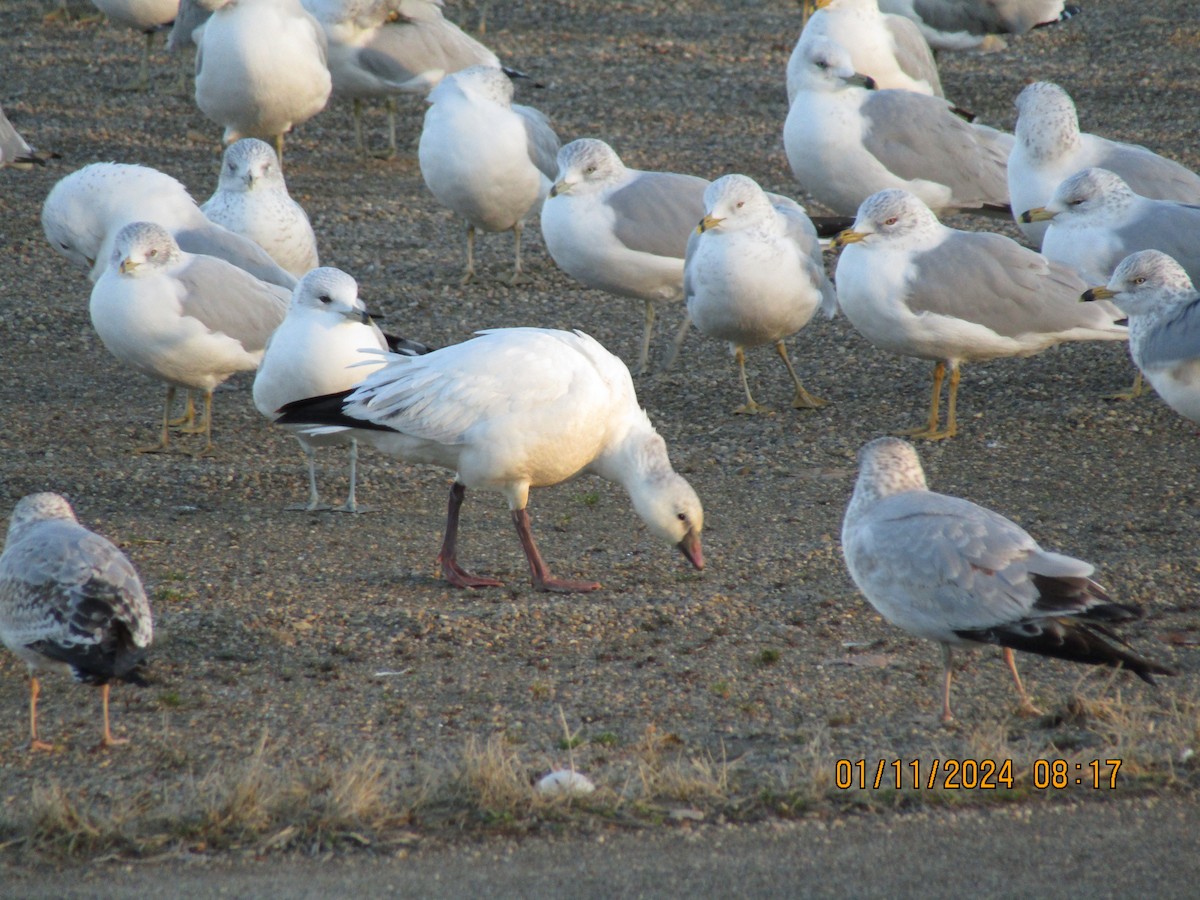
(252, 200)
(70, 601)
(889, 49)
(489, 160)
(948, 570)
(186, 319)
(327, 343)
(915, 287)
(1050, 148)
(754, 275)
(845, 141)
(1096, 220)
(1164, 325)
(510, 410)
(622, 230)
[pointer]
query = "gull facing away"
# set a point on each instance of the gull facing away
(381, 48)
(327, 343)
(85, 210)
(968, 24)
(754, 275)
(252, 200)
(915, 287)
(948, 570)
(1163, 307)
(70, 601)
(1050, 148)
(889, 49)
(146, 16)
(260, 68)
(845, 141)
(14, 151)
(188, 320)
(1096, 220)
(513, 409)
(489, 160)
(621, 230)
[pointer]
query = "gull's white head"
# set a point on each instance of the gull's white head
(476, 82)
(329, 291)
(887, 466)
(826, 66)
(1146, 282)
(39, 508)
(251, 164)
(142, 248)
(732, 202)
(1047, 124)
(1093, 197)
(891, 215)
(586, 164)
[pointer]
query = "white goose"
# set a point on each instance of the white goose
(513, 409)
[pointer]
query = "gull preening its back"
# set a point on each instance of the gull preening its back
(513, 409)
(948, 570)
(252, 200)
(915, 287)
(70, 601)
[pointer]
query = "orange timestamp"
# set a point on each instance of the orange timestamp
(971, 774)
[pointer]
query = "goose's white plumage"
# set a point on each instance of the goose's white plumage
(84, 211)
(70, 601)
(260, 68)
(948, 570)
(845, 142)
(252, 200)
(514, 409)
(888, 48)
(621, 230)
(754, 274)
(487, 159)
(188, 320)
(1050, 148)
(1163, 307)
(915, 287)
(327, 343)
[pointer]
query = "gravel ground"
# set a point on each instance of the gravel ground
(333, 635)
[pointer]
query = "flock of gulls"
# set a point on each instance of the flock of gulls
(191, 294)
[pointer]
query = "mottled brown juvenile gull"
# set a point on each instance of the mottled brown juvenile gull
(70, 601)
(1050, 148)
(845, 141)
(514, 409)
(948, 570)
(911, 285)
(754, 275)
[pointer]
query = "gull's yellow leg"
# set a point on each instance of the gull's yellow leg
(931, 429)
(516, 275)
(644, 360)
(469, 274)
(1027, 707)
(803, 399)
(206, 428)
(108, 740)
(164, 438)
(750, 407)
(34, 690)
(947, 676)
(1138, 388)
(188, 418)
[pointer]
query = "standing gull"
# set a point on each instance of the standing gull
(621, 230)
(889, 49)
(913, 286)
(188, 320)
(1095, 221)
(514, 409)
(486, 158)
(968, 24)
(945, 569)
(1164, 325)
(252, 200)
(70, 601)
(327, 343)
(1050, 148)
(85, 210)
(754, 275)
(260, 68)
(146, 16)
(845, 141)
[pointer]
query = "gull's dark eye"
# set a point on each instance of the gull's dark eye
(325, 298)
(233, 167)
(892, 221)
(682, 517)
(822, 64)
(1141, 279)
(741, 203)
(152, 254)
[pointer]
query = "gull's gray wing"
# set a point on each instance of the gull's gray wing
(1173, 339)
(912, 52)
(993, 281)
(656, 211)
(229, 300)
(543, 142)
(801, 232)
(191, 16)
(211, 239)
(916, 136)
(391, 71)
(1173, 228)
(1147, 173)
